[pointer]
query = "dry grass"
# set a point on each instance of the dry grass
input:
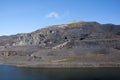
(70, 59)
(99, 55)
(71, 24)
(80, 58)
(75, 24)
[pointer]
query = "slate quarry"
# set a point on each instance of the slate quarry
(75, 44)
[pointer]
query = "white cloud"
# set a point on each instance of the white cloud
(53, 15)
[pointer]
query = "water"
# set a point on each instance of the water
(14, 73)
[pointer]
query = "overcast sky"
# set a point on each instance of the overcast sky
(23, 16)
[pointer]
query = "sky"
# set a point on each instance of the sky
(24, 16)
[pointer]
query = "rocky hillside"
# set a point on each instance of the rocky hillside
(76, 44)
(74, 34)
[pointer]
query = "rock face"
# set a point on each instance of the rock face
(82, 34)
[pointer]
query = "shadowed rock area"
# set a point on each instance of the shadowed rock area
(75, 44)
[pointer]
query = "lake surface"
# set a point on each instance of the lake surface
(14, 73)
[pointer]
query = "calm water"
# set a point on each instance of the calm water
(14, 73)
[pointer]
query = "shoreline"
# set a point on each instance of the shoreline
(63, 65)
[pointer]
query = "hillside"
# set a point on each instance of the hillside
(75, 42)
(57, 34)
